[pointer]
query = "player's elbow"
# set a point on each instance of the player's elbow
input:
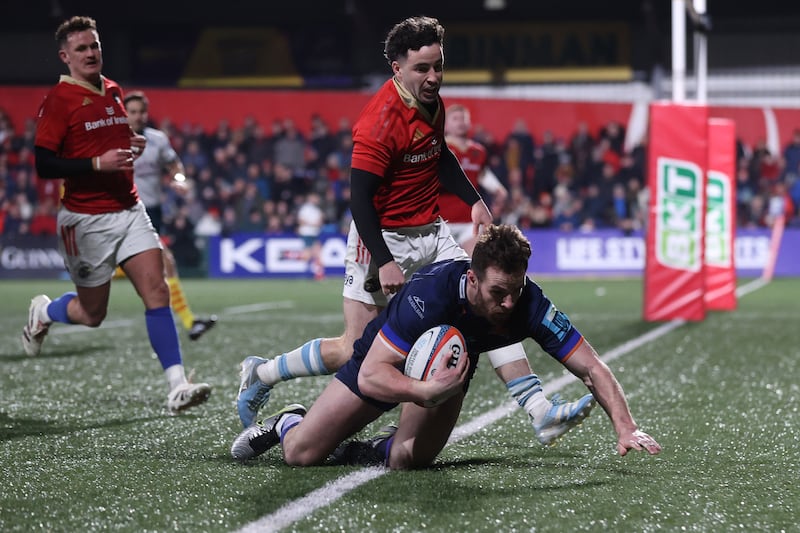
(377, 381)
(367, 383)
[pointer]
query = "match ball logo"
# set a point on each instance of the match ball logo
(679, 220)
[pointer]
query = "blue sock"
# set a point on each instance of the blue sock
(523, 389)
(385, 447)
(57, 310)
(289, 422)
(163, 336)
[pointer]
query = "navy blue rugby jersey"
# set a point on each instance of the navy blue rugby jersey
(436, 295)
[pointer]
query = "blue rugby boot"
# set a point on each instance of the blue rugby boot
(561, 417)
(253, 393)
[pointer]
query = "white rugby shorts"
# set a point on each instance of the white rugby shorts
(412, 248)
(461, 231)
(93, 245)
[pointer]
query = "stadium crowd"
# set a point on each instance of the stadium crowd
(277, 179)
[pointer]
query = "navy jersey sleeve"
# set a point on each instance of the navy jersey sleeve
(423, 302)
(549, 327)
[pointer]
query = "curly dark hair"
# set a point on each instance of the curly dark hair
(412, 34)
(502, 246)
(72, 25)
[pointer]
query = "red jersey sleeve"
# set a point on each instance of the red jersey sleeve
(53, 122)
(375, 137)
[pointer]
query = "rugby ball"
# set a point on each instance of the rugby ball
(431, 348)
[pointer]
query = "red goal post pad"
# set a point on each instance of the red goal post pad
(720, 292)
(674, 278)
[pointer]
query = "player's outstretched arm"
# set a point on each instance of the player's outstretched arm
(599, 379)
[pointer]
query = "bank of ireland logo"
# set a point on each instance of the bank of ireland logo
(719, 248)
(679, 223)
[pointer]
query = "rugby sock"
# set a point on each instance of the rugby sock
(57, 309)
(300, 362)
(384, 447)
(176, 375)
(177, 299)
(528, 393)
(164, 337)
(287, 422)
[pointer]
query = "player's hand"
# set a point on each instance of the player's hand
(116, 159)
(138, 142)
(392, 278)
(448, 381)
(181, 187)
(481, 216)
(637, 440)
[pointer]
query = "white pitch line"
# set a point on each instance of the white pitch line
(330, 492)
(265, 306)
(325, 495)
(236, 310)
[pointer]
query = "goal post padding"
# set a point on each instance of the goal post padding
(674, 278)
(720, 225)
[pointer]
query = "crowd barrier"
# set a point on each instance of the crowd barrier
(601, 253)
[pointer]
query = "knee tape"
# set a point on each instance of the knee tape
(506, 354)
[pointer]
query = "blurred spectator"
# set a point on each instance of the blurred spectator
(181, 234)
(593, 214)
(745, 192)
(791, 158)
(260, 146)
(253, 221)
(290, 149)
(779, 204)
(540, 213)
(344, 131)
(222, 136)
(637, 196)
(623, 214)
(580, 149)
(756, 213)
(282, 185)
(230, 222)
(14, 222)
(547, 157)
(25, 140)
(760, 153)
(614, 133)
(257, 177)
(194, 155)
(525, 144)
(249, 199)
(566, 208)
(6, 129)
(44, 217)
(322, 142)
(209, 224)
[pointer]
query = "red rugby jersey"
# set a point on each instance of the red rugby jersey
(77, 120)
(397, 139)
(473, 160)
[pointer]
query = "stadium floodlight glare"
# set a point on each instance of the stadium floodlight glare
(494, 5)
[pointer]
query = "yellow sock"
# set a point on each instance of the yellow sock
(179, 304)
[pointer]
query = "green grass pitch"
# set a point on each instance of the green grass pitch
(86, 443)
